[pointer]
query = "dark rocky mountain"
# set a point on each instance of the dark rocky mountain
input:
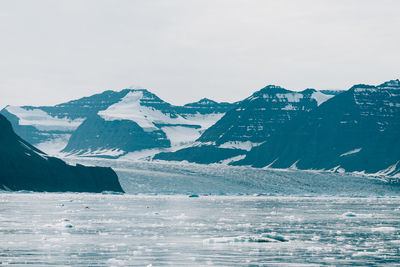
(358, 130)
(46, 123)
(332, 92)
(204, 106)
(249, 124)
(23, 167)
(111, 124)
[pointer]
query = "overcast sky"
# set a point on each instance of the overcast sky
(182, 50)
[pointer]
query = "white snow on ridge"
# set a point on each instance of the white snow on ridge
(130, 108)
(204, 120)
(179, 135)
(233, 159)
(247, 145)
(54, 145)
(320, 97)
(291, 97)
(351, 152)
(389, 170)
(43, 121)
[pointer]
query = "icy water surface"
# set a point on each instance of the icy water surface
(141, 230)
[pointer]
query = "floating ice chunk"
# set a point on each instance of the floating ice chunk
(384, 229)
(349, 214)
(262, 238)
(116, 262)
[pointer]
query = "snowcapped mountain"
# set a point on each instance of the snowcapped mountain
(112, 124)
(24, 167)
(249, 124)
(356, 131)
(50, 127)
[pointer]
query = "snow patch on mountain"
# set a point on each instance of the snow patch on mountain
(320, 97)
(246, 145)
(130, 108)
(204, 120)
(231, 160)
(351, 152)
(388, 171)
(42, 120)
(289, 97)
(53, 146)
(179, 135)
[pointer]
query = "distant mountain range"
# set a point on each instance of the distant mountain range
(248, 125)
(112, 124)
(23, 167)
(358, 130)
(354, 131)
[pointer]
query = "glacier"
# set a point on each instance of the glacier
(160, 177)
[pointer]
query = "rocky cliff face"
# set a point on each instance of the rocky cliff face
(250, 123)
(260, 115)
(357, 130)
(23, 167)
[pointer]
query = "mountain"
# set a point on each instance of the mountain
(356, 131)
(112, 123)
(50, 127)
(142, 121)
(248, 125)
(23, 167)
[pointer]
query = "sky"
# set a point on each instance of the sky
(184, 50)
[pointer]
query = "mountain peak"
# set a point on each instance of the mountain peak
(391, 84)
(308, 91)
(135, 90)
(202, 102)
(206, 101)
(272, 89)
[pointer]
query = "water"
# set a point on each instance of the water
(144, 230)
